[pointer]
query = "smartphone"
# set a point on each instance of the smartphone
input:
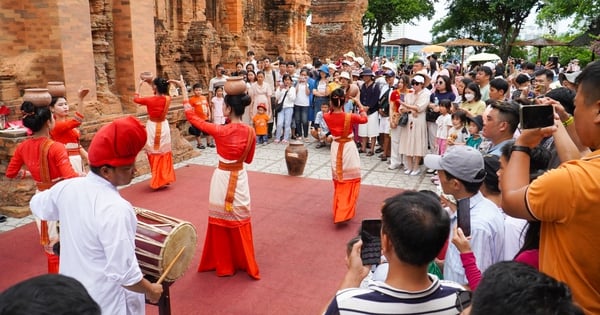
(536, 116)
(370, 234)
(463, 216)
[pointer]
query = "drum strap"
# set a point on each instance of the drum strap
(233, 176)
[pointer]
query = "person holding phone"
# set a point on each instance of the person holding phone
(461, 173)
(566, 199)
(414, 228)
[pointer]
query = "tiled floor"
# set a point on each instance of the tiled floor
(270, 158)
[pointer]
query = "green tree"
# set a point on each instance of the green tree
(494, 21)
(384, 14)
(585, 12)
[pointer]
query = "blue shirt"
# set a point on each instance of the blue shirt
(497, 149)
(321, 122)
(487, 239)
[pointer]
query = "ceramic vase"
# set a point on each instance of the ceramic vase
(39, 97)
(296, 155)
(56, 88)
(147, 76)
(235, 86)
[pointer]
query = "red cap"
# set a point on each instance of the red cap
(263, 105)
(118, 143)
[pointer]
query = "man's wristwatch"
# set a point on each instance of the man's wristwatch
(522, 148)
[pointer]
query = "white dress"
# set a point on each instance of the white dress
(97, 228)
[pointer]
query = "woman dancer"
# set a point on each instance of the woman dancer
(158, 147)
(48, 163)
(65, 129)
(345, 162)
(228, 246)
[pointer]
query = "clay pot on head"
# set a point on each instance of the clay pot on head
(235, 86)
(147, 76)
(296, 155)
(56, 88)
(39, 97)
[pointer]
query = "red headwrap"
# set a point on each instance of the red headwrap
(118, 143)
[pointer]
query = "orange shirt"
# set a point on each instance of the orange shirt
(65, 131)
(200, 105)
(566, 201)
(28, 153)
(261, 124)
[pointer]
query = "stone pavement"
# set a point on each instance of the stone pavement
(270, 158)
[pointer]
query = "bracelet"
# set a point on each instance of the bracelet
(569, 121)
(522, 148)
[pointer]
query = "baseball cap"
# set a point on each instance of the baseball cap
(569, 76)
(419, 79)
(389, 73)
(461, 161)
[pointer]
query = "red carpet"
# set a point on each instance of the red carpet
(300, 252)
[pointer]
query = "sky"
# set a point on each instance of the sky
(421, 30)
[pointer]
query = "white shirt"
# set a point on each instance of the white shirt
(97, 228)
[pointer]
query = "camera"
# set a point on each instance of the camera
(223, 72)
(536, 116)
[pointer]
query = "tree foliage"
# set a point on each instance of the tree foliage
(493, 21)
(586, 13)
(383, 14)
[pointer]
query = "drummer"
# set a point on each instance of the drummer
(98, 226)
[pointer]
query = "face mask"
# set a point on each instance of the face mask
(469, 97)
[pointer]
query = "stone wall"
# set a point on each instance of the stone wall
(103, 45)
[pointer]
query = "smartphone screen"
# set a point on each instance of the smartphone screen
(370, 234)
(536, 116)
(463, 216)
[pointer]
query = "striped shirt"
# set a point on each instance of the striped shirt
(380, 298)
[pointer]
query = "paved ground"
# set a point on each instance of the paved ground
(270, 158)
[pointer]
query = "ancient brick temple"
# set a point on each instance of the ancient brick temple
(105, 44)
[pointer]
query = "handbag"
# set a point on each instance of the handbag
(403, 119)
(279, 106)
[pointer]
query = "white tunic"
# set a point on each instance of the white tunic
(97, 228)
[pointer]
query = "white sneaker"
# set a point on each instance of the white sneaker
(393, 167)
(415, 172)
(407, 172)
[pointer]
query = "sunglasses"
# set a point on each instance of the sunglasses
(440, 82)
(415, 82)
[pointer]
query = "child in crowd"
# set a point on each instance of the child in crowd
(319, 129)
(217, 106)
(200, 105)
(260, 121)
(444, 123)
(458, 133)
(475, 126)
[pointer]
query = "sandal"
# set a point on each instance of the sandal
(361, 151)
(370, 153)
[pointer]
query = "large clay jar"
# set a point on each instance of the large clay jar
(235, 86)
(296, 155)
(56, 88)
(147, 76)
(39, 97)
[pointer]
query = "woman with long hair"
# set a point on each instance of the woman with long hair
(345, 161)
(47, 162)
(228, 245)
(158, 147)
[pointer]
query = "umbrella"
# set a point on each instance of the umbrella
(404, 42)
(462, 43)
(482, 57)
(433, 49)
(540, 43)
(583, 40)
